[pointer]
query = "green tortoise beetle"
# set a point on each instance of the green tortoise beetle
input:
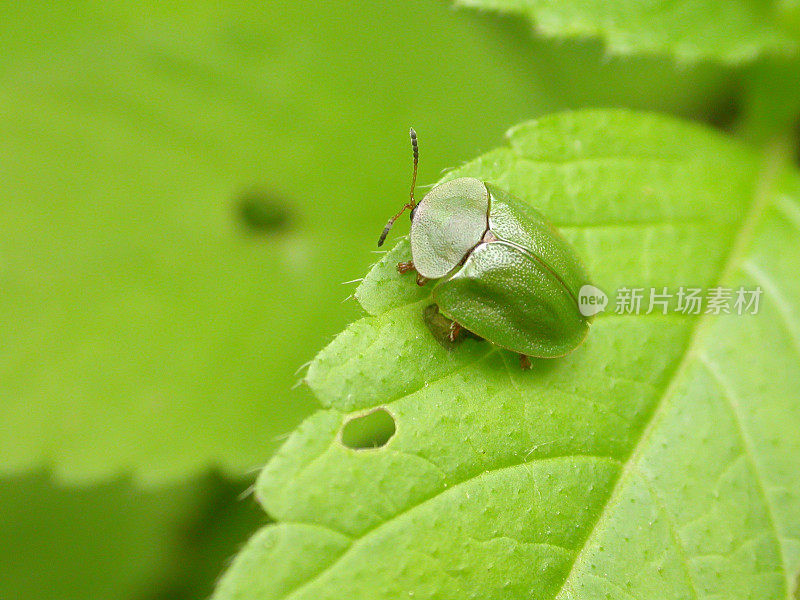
(502, 271)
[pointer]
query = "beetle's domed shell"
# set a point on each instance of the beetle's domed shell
(511, 298)
(448, 223)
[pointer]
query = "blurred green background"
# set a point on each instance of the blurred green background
(186, 188)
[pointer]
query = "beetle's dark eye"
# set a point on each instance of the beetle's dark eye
(413, 210)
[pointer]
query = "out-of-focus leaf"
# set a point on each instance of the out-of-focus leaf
(113, 540)
(91, 543)
(209, 541)
(771, 100)
(728, 31)
(658, 460)
(186, 185)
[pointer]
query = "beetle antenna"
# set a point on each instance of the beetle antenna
(411, 201)
(415, 150)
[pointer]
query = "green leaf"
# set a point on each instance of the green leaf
(116, 540)
(658, 460)
(730, 31)
(186, 186)
(771, 100)
(90, 543)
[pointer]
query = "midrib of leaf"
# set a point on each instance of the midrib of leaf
(774, 160)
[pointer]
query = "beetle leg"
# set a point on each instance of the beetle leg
(455, 329)
(405, 267)
(524, 362)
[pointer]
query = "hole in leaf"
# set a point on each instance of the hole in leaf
(372, 430)
(262, 212)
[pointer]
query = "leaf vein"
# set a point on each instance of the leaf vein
(360, 538)
(734, 405)
(783, 306)
(673, 529)
(739, 241)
